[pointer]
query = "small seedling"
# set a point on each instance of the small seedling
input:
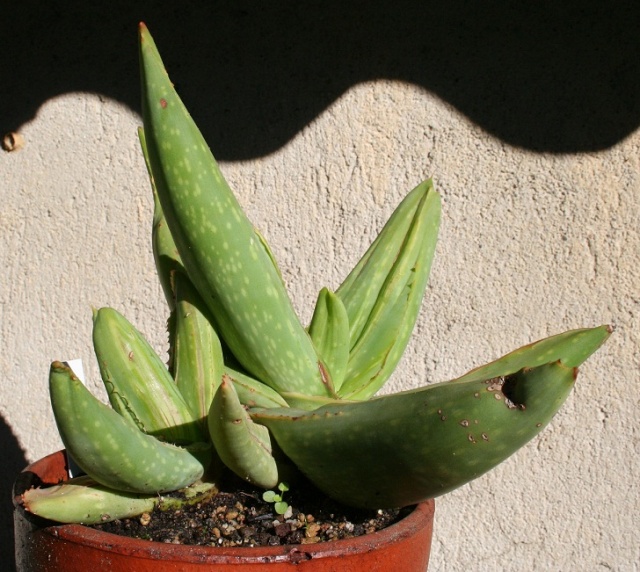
(279, 505)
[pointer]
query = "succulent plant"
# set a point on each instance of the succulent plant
(245, 374)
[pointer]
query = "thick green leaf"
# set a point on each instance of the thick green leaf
(164, 248)
(111, 449)
(329, 331)
(253, 393)
(384, 293)
(400, 449)
(138, 383)
(197, 361)
(243, 446)
(82, 500)
(222, 254)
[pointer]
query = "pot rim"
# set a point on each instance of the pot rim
(100, 540)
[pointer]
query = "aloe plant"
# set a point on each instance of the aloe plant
(244, 373)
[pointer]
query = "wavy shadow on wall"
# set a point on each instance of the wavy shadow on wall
(542, 75)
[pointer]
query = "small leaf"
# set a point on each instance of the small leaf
(281, 507)
(244, 446)
(329, 331)
(269, 496)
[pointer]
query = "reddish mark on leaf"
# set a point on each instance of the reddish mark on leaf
(163, 103)
(324, 375)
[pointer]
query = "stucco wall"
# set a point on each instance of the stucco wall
(531, 244)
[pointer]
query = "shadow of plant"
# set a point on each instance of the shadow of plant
(13, 461)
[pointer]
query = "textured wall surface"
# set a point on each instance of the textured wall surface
(532, 243)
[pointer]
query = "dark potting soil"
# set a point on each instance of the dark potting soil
(239, 517)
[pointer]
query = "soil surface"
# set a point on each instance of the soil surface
(239, 517)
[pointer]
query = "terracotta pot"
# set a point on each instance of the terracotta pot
(45, 547)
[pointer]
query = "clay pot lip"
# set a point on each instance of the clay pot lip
(412, 524)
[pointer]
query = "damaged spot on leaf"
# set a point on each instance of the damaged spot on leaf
(506, 386)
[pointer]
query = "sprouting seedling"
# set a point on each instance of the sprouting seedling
(279, 504)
